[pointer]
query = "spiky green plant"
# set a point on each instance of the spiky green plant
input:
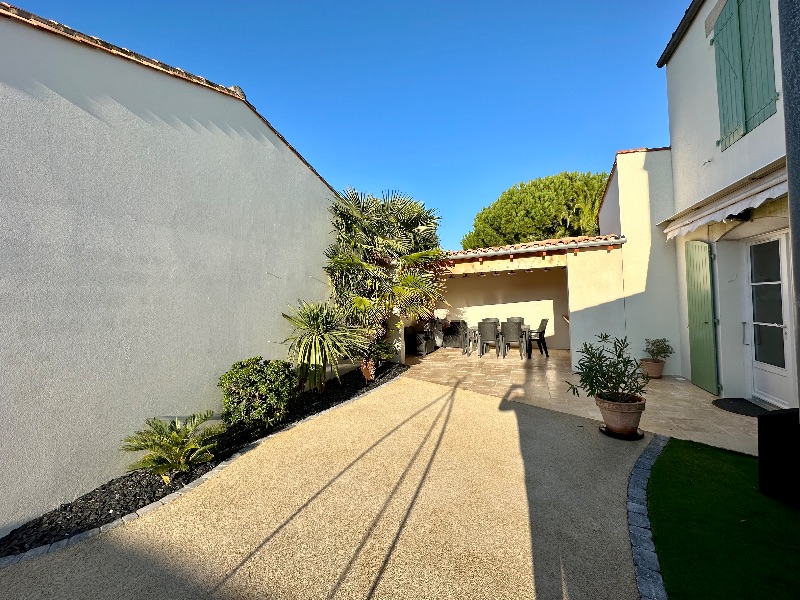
(322, 338)
(173, 445)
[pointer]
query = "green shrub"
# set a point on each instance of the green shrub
(173, 446)
(255, 392)
(607, 371)
(658, 349)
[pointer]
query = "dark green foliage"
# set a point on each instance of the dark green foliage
(384, 262)
(606, 370)
(384, 258)
(556, 206)
(255, 392)
(174, 446)
(658, 349)
(716, 536)
(381, 350)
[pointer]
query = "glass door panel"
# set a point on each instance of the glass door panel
(769, 345)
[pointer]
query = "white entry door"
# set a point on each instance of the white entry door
(771, 337)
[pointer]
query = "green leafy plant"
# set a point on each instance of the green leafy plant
(321, 338)
(173, 446)
(384, 263)
(380, 350)
(658, 349)
(256, 392)
(607, 371)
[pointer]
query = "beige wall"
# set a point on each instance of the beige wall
(649, 262)
(608, 218)
(595, 296)
(534, 296)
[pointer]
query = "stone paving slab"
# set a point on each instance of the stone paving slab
(415, 490)
(675, 407)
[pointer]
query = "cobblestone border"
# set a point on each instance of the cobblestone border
(645, 560)
(7, 561)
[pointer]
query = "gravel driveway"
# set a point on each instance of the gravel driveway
(416, 490)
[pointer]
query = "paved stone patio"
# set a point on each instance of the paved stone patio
(675, 407)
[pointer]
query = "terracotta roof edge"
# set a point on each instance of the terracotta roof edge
(539, 245)
(25, 17)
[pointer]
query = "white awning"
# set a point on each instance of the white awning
(726, 207)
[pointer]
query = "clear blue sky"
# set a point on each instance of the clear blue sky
(451, 102)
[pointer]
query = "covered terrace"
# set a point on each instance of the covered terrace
(575, 283)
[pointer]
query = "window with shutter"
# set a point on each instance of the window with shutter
(745, 68)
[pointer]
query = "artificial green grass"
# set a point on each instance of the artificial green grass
(716, 535)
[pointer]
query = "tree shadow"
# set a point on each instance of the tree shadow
(445, 410)
(109, 566)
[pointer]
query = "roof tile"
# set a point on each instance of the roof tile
(539, 245)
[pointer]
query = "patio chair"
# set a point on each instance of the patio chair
(491, 320)
(512, 334)
(537, 335)
(455, 335)
(520, 319)
(488, 334)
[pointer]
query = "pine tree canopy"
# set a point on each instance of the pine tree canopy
(555, 206)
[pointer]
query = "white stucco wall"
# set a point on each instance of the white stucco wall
(534, 296)
(700, 167)
(152, 232)
(649, 262)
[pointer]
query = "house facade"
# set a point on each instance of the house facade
(154, 227)
(722, 215)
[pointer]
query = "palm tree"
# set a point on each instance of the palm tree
(384, 260)
(321, 338)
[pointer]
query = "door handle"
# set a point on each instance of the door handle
(744, 333)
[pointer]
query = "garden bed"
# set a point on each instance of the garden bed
(132, 491)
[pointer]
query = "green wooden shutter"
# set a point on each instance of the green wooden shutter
(730, 90)
(702, 329)
(758, 65)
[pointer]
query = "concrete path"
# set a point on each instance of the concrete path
(675, 407)
(416, 490)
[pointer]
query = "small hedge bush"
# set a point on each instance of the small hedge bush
(256, 392)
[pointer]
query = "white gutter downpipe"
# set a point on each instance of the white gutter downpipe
(616, 242)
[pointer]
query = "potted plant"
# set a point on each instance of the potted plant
(377, 352)
(659, 351)
(616, 381)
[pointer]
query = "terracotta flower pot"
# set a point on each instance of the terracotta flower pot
(368, 369)
(652, 367)
(621, 418)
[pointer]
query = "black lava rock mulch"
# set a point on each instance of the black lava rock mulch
(132, 491)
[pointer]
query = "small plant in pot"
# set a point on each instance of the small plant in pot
(616, 381)
(659, 350)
